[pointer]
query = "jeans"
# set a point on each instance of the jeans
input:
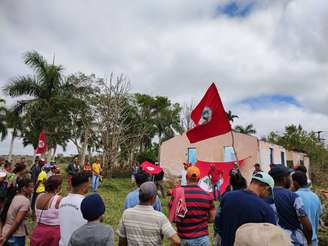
(95, 182)
(15, 241)
(200, 241)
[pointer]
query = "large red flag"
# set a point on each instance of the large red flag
(209, 117)
(42, 144)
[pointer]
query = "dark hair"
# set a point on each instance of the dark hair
(141, 177)
(79, 178)
(300, 177)
(143, 197)
(53, 182)
(301, 169)
(23, 182)
(11, 192)
(7, 164)
(257, 165)
(237, 181)
(19, 167)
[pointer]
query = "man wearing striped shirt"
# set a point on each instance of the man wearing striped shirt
(144, 226)
(193, 228)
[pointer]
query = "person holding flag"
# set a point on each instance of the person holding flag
(216, 177)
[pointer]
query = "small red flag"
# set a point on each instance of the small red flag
(42, 144)
(150, 168)
(209, 117)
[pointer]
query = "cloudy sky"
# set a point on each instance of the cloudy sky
(269, 58)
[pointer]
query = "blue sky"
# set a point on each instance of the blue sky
(236, 8)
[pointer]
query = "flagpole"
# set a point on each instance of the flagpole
(234, 149)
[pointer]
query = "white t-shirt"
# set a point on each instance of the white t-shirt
(70, 217)
(183, 177)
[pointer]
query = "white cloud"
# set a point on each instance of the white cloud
(176, 48)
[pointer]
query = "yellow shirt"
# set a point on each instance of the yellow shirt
(96, 168)
(42, 179)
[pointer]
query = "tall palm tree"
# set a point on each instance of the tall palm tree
(14, 122)
(3, 115)
(249, 129)
(231, 116)
(50, 101)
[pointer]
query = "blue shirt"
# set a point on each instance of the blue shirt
(240, 207)
(132, 199)
(290, 208)
(312, 207)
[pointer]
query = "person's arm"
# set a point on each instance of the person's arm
(18, 220)
(175, 240)
(211, 215)
(123, 242)
(307, 228)
(303, 218)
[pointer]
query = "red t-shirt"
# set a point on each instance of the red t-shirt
(195, 223)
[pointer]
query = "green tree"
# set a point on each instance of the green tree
(249, 129)
(50, 101)
(14, 122)
(231, 116)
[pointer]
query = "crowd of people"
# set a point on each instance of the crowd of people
(275, 208)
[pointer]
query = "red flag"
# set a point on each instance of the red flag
(224, 167)
(42, 144)
(209, 117)
(150, 168)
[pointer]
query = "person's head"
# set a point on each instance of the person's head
(93, 207)
(257, 167)
(147, 193)
(20, 169)
(98, 160)
(262, 184)
(42, 162)
(299, 180)
(8, 166)
(37, 159)
(24, 186)
(141, 177)
(237, 181)
(193, 174)
(250, 234)
(75, 160)
(301, 168)
(281, 176)
(80, 183)
(53, 184)
(185, 165)
(46, 168)
(213, 167)
(23, 160)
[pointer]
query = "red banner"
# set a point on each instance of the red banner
(225, 167)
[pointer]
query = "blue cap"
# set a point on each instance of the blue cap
(92, 207)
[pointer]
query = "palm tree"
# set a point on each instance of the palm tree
(14, 122)
(51, 101)
(249, 129)
(231, 116)
(3, 124)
